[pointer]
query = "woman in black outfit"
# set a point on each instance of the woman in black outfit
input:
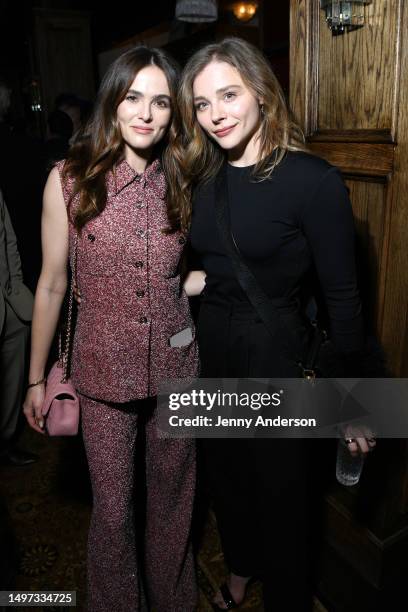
(289, 213)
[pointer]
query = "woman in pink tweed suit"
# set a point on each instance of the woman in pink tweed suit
(111, 192)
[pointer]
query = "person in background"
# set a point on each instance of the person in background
(78, 111)
(16, 304)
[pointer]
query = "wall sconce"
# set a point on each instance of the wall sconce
(244, 11)
(344, 16)
(197, 11)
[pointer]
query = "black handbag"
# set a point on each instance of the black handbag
(317, 355)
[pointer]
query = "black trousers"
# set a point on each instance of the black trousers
(264, 490)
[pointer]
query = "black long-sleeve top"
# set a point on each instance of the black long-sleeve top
(298, 219)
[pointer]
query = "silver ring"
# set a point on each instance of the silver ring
(350, 440)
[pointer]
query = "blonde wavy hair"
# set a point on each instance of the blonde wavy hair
(193, 158)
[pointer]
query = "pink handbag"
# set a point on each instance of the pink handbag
(61, 403)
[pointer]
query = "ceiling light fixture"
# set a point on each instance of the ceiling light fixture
(196, 11)
(244, 11)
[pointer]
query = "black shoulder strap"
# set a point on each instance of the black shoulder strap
(259, 300)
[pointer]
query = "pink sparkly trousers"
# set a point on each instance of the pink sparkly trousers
(110, 433)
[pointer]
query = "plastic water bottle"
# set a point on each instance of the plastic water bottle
(348, 468)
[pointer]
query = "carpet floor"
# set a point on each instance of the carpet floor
(49, 505)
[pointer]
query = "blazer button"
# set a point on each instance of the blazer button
(140, 233)
(139, 264)
(182, 240)
(140, 293)
(143, 320)
(91, 237)
(139, 205)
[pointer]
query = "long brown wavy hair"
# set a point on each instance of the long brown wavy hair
(193, 157)
(100, 147)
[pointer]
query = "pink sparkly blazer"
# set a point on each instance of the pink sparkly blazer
(132, 301)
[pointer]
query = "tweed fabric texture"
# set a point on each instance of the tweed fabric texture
(111, 434)
(132, 301)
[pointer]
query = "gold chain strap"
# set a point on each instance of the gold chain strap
(63, 356)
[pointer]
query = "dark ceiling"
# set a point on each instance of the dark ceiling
(108, 26)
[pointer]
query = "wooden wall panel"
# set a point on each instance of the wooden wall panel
(350, 94)
(360, 70)
(352, 81)
(364, 159)
(369, 202)
(395, 327)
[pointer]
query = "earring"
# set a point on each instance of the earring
(262, 110)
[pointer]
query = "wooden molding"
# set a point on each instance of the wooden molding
(364, 159)
(374, 136)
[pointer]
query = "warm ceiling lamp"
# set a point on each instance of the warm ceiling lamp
(196, 11)
(244, 11)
